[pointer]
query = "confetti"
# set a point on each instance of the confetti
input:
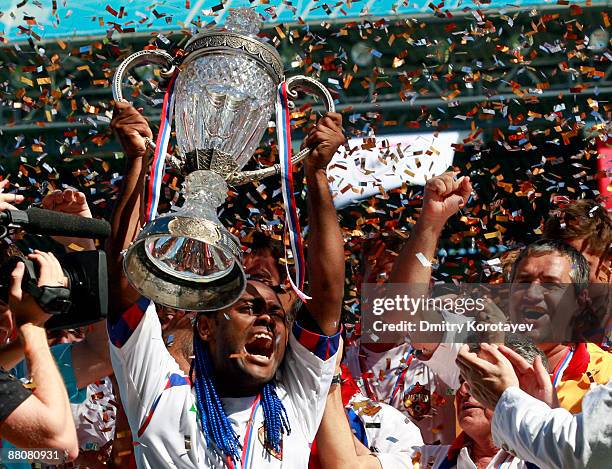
(419, 78)
(423, 260)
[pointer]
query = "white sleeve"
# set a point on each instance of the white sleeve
(307, 373)
(442, 362)
(141, 362)
(395, 460)
(549, 437)
(397, 439)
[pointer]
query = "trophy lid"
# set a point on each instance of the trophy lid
(239, 37)
(243, 21)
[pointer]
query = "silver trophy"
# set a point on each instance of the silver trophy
(225, 92)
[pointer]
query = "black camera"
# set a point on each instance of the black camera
(85, 301)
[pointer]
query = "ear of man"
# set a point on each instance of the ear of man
(205, 325)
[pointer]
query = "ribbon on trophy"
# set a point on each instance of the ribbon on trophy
(292, 221)
(159, 156)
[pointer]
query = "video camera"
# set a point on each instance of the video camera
(84, 301)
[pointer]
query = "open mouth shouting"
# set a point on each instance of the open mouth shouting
(537, 317)
(533, 314)
(260, 347)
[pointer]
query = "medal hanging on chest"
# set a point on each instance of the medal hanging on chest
(417, 401)
(262, 439)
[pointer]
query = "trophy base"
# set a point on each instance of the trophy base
(210, 159)
(187, 259)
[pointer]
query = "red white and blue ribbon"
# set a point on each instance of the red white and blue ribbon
(159, 157)
(561, 367)
(399, 383)
(292, 222)
(248, 445)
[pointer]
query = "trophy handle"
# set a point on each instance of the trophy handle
(154, 56)
(294, 84)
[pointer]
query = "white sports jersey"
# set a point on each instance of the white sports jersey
(389, 434)
(160, 403)
(419, 392)
(439, 457)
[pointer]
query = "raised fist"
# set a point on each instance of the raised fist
(444, 196)
(324, 140)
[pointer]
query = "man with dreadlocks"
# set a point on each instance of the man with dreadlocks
(258, 384)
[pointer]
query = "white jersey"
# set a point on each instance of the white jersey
(439, 457)
(160, 403)
(388, 433)
(409, 385)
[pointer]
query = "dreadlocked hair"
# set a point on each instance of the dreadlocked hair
(276, 421)
(216, 427)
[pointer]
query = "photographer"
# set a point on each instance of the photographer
(40, 417)
(87, 360)
(84, 365)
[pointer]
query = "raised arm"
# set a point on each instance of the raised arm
(396, 441)
(335, 442)
(44, 419)
(130, 128)
(444, 196)
(325, 243)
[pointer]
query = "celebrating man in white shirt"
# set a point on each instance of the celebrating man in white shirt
(257, 389)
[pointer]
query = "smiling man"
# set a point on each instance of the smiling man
(549, 291)
(259, 380)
